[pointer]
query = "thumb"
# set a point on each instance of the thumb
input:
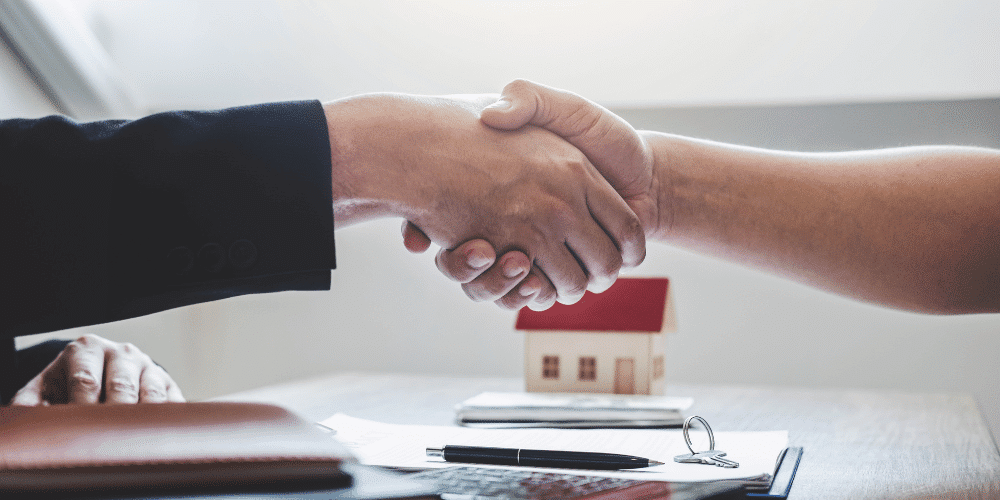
(515, 108)
(611, 144)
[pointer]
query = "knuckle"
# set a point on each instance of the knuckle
(574, 290)
(633, 240)
(153, 394)
(510, 303)
(577, 163)
(632, 230)
(560, 213)
(75, 347)
(546, 296)
(493, 289)
(473, 291)
(129, 348)
(89, 340)
(85, 381)
(608, 267)
(122, 385)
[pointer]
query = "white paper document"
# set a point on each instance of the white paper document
(394, 445)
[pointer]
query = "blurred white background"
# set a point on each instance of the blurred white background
(817, 75)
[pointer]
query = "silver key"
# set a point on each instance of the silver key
(711, 457)
(697, 458)
(718, 461)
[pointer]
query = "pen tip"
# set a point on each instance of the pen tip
(654, 463)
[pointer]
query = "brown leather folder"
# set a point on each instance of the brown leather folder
(164, 448)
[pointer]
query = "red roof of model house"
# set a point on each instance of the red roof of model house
(630, 305)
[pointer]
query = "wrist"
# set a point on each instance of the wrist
(660, 218)
(368, 174)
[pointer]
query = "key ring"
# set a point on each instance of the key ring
(687, 437)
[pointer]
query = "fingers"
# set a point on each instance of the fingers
(156, 386)
(467, 261)
(153, 385)
(546, 297)
(623, 226)
(500, 278)
(414, 239)
(504, 282)
(174, 393)
(92, 369)
(121, 374)
(599, 257)
(84, 361)
(507, 282)
(566, 273)
(535, 291)
(30, 394)
(526, 189)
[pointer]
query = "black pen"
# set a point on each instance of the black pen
(540, 458)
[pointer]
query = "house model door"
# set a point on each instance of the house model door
(624, 376)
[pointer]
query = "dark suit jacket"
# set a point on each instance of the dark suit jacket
(110, 220)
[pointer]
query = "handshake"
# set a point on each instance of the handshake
(566, 194)
(565, 190)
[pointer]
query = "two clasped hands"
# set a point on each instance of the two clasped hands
(564, 190)
(468, 173)
(540, 195)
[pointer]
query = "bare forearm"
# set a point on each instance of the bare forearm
(915, 228)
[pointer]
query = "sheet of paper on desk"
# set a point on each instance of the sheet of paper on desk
(393, 445)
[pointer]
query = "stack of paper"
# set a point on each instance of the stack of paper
(404, 446)
(523, 409)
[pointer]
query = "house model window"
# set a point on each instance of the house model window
(617, 338)
(550, 367)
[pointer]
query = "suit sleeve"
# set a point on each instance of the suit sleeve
(110, 220)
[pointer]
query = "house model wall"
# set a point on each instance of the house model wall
(612, 342)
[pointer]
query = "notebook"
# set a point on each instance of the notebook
(181, 449)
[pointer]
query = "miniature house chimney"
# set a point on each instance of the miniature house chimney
(612, 342)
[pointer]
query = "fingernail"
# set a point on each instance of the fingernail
(569, 300)
(477, 259)
(512, 269)
(502, 104)
(601, 285)
(528, 289)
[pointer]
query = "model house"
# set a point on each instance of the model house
(612, 342)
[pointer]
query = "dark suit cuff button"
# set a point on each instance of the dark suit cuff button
(242, 254)
(211, 258)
